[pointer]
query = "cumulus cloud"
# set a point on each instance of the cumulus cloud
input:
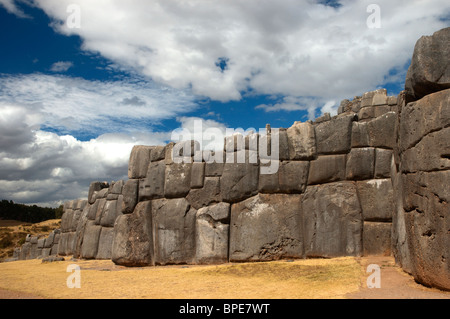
(89, 108)
(221, 49)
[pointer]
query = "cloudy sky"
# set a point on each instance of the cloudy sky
(82, 81)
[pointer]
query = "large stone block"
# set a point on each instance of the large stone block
(130, 194)
(379, 132)
(133, 240)
(209, 193)
(173, 231)
(360, 163)
(139, 161)
(152, 187)
(327, 168)
(62, 244)
(334, 136)
(197, 175)
(377, 199)
(113, 209)
(177, 180)
(266, 227)
(332, 220)
(301, 141)
(423, 117)
(290, 178)
(429, 71)
(212, 232)
(91, 238)
(426, 198)
(430, 154)
(239, 181)
(377, 238)
(94, 188)
(100, 210)
(383, 159)
(105, 243)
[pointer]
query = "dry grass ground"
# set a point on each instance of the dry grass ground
(13, 233)
(318, 278)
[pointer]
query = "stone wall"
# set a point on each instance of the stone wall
(371, 180)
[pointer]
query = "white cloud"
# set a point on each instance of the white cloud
(61, 66)
(75, 105)
(291, 48)
(11, 7)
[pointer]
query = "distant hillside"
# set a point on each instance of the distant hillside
(28, 214)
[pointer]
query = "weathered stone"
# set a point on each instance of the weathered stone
(130, 194)
(116, 187)
(40, 243)
(71, 241)
(103, 193)
(105, 243)
(366, 99)
(158, 153)
(173, 231)
(234, 143)
(66, 220)
(214, 169)
(269, 183)
(111, 212)
(360, 163)
(332, 220)
(327, 168)
(239, 181)
(133, 240)
(377, 199)
(89, 247)
(139, 161)
(380, 97)
(423, 117)
(48, 242)
(209, 193)
(334, 136)
(429, 71)
(377, 238)
(62, 244)
(383, 160)
(266, 227)
(212, 229)
(370, 112)
(197, 175)
(379, 132)
(427, 221)
(94, 188)
(291, 177)
(100, 210)
(177, 180)
(302, 141)
(45, 252)
(153, 186)
(430, 154)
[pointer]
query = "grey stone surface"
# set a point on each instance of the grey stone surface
(94, 188)
(360, 163)
(378, 132)
(133, 240)
(211, 234)
(327, 168)
(266, 227)
(105, 243)
(377, 199)
(332, 220)
(301, 141)
(130, 194)
(383, 159)
(139, 161)
(239, 181)
(208, 194)
(177, 180)
(197, 175)
(173, 231)
(152, 187)
(377, 238)
(91, 238)
(429, 71)
(334, 136)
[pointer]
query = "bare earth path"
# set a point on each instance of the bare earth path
(395, 283)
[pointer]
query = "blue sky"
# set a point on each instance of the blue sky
(74, 100)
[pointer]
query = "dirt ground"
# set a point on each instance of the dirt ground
(350, 283)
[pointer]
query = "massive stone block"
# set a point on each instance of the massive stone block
(327, 168)
(429, 71)
(208, 194)
(91, 238)
(152, 187)
(332, 220)
(112, 210)
(377, 199)
(133, 240)
(266, 227)
(383, 159)
(197, 175)
(139, 161)
(291, 177)
(173, 231)
(177, 180)
(130, 194)
(378, 132)
(377, 238)
(360, 163)
(105, 243)
(334, 136)
(239, 181)
(212, 230)
(94, 188)
(301, 141)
